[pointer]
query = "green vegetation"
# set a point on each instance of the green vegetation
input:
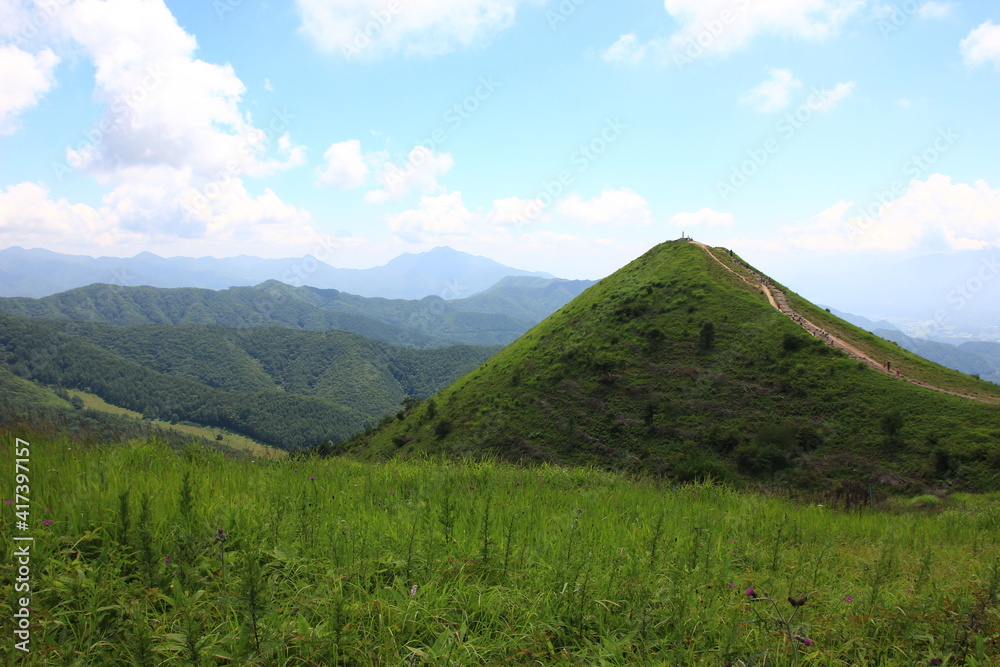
(675, 366)
(281, 387)
(27, 406)
(147, 556)
(425, 323)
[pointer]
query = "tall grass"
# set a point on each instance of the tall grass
(334, 562)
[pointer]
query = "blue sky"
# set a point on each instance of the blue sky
(560, 136)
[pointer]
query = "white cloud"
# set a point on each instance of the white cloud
(932, 215)
(172, 147)
(165, 107)
(419, 173)
(26, 78)
(154, 207)
(721, 27)
(828, 99)
(773, 94)
(706, 217)
(627, 50)
(932, 9)
(612, 207)
(358, 29)
(436, 217)
(28, 217)
(345, 166)
(982, 45)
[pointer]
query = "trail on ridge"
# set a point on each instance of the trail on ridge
(779, 301)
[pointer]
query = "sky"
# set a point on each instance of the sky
(566, 136)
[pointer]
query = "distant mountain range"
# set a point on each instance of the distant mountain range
(441, 272)
(939, 296)
(496, 316)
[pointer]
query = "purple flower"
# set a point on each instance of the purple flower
(849, 598)
(46, 523)
(732, 585)
(751, 593)
(166, 560)
(413, 590)
(473, 488)
(312, 477)
(9, 502)
(517, 484)
(804, 640)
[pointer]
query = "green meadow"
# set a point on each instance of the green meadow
(144, 555)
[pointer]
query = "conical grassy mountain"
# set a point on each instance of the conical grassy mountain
(679, 365)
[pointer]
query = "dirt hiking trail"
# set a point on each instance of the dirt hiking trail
(778, 300)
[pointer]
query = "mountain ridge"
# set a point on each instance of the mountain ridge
(678, 365)
(442, 271)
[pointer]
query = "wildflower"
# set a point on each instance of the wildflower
(797, 603)
(46, 523)
(221, 536)
(732, 585)
(9, 502)
(473, 488)
(517, 483)
(312, 477)
(166, 560)
(804, 640)
(413, 590)
(848, 598)
(751, 593)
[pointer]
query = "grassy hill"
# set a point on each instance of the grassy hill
(677, 366)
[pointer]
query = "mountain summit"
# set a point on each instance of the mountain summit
(680, 364)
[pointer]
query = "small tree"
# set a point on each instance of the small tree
(706, 337)
(892, 423)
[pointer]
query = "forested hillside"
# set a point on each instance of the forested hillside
(496, 317)
(282, 387)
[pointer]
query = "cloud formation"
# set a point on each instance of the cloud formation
(982, 45)
(26, 78)
(773, 94)
(718, 28)
(934, 215)
(370, 29)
